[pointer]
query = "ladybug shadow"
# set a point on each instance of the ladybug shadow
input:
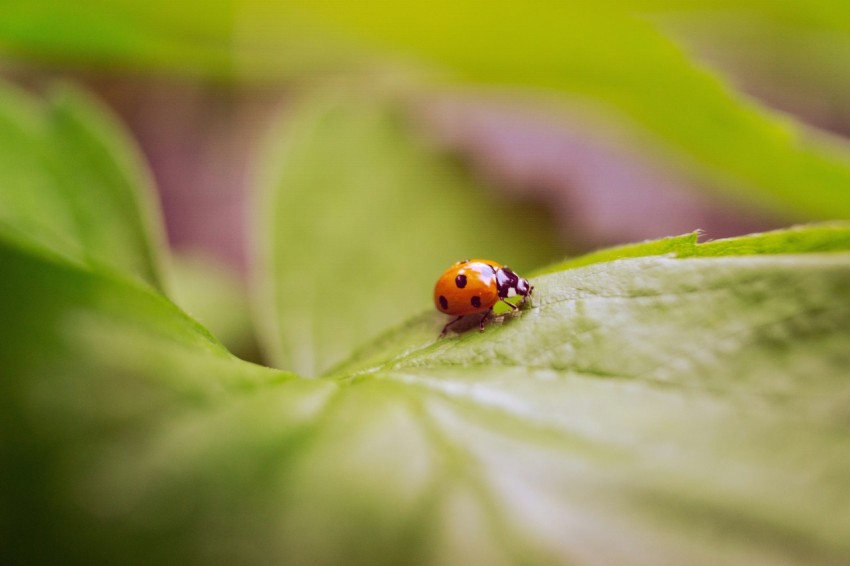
(472, 323)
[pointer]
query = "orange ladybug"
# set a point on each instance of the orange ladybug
(474, 286)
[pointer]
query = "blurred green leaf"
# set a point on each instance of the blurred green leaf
(99, 371)
(831, 15)
(616, 59)
(122, 33)
(609, 55)
(358, 218)
(73, 184)
(214, 295)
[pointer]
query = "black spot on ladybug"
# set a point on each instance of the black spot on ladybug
(476, 301)
(460, 281)
(443, 302)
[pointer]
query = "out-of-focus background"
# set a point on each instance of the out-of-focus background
(633, 120)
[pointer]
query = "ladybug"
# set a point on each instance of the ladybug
(474, 286)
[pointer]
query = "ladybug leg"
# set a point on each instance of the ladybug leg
(513, 306)
(446, 327)
(525, 297)
(483, 318)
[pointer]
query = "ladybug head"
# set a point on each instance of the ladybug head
(523, 287)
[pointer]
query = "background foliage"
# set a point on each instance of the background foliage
(663, 402)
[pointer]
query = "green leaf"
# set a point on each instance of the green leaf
(124, 33)
(587, 272)
(214, 296)
(662, 397)
(360, 216)
(98, 371)
(656, 408)
(73, 184)
(824, 237)
(615, 58)
(610, 56)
